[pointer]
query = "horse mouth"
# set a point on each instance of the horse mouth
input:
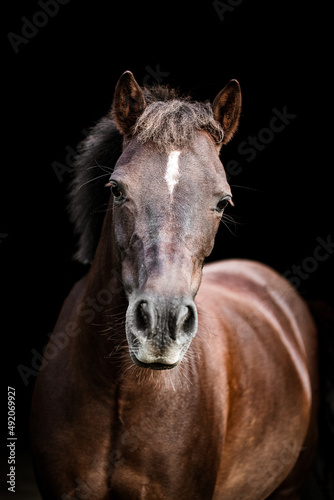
(153, 366)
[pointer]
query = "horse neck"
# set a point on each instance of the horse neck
(102, 310)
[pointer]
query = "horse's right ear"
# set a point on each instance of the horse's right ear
(128, 104)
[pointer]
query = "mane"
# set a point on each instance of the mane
(170, 121)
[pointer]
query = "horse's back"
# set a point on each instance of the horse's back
(238, 275)
(270, 348)
(249, 283)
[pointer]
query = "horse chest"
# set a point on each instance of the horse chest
(163, 450)
(161, 475)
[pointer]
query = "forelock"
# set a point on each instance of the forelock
(172, 124)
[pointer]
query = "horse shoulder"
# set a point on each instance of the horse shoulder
(270, 349)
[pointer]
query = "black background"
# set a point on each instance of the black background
(62, 81)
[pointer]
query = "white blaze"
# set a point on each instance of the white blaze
(172, 172)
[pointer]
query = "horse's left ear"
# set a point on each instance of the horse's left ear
(128, 103)
(227, 108)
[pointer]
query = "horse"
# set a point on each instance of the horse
(165, 377)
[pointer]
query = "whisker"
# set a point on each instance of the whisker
(98, 210)
(102, 167)
(91, 180)
(182, 369)
(246, 187)
(171, 381)
(119, 313)
(229, 219)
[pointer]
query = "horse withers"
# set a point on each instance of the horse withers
(177, 381)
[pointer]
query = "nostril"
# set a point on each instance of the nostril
(187, 319)
(145, 317)
(190, 321)
(142, 316)
(163, 320)
(182, 315)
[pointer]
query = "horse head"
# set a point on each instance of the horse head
(169, 191)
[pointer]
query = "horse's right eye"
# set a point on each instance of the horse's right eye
(117, 191)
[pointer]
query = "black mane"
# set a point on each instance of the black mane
(88, 197)
(167, 120)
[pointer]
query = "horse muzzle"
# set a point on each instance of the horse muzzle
(160, 330)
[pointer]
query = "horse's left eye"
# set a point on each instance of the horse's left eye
(223, 203)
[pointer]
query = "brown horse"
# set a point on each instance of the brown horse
(171, 381)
